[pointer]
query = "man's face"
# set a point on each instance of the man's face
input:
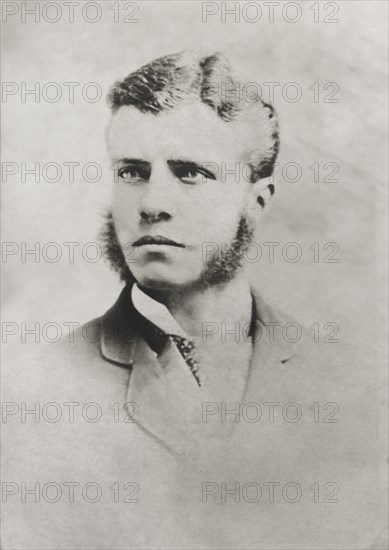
(176, 197)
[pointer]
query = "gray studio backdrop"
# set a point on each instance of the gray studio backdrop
(347, 133)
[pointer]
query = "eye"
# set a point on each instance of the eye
(190, 173)
(133, 173)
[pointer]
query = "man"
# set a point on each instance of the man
(172, 436)
(175, 196)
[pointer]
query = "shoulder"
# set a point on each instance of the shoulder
(315, 361)
(72, 366)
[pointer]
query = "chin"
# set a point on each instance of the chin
(161, 279)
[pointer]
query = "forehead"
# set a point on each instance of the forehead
(186, 131)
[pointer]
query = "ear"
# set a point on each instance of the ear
(261, 193)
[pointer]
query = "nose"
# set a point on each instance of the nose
(157, 202)
(153, 216)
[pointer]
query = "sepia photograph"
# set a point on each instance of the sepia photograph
(194, 275)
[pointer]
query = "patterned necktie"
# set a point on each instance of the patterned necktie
(188, 352)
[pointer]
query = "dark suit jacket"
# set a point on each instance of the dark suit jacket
(136, 465)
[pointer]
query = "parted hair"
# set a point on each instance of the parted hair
(167, 81)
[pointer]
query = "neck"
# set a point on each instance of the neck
(197, 310)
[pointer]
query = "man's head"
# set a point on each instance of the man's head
(192, 151)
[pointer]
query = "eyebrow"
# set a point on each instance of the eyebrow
(180, 160)
(190, 163)
(135, 162)
(189, 160)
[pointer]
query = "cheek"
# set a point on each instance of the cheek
(220, 209)
(124, 225)
(124, 208)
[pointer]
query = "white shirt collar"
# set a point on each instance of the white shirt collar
(155, 312)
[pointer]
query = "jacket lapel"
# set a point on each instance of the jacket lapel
(269, 349)
(165, 395)
(120, 333)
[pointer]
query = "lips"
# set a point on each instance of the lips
(156, 240)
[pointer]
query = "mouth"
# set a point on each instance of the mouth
(156, 241)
